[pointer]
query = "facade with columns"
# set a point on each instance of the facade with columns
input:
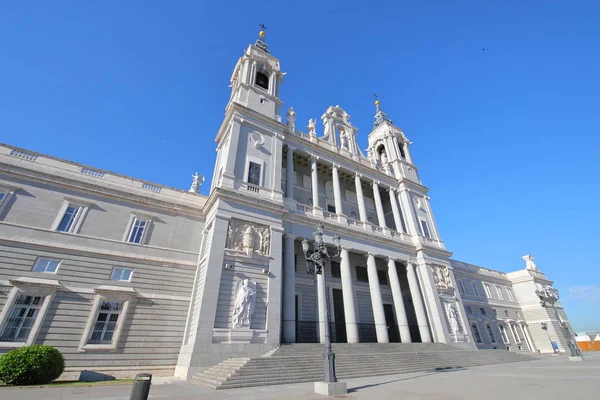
(120, 273)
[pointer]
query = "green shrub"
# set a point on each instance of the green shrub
(31, 365)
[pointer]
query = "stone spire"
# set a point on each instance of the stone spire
(380, 116)
(260, 42)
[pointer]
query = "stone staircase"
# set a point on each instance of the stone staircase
(304, 363)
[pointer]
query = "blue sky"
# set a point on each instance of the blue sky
(507, 138)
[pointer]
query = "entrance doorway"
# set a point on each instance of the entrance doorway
(337, 329)
(393, 333)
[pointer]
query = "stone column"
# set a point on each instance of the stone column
(336, 189)
(398, 302)
(315, 181)
(415, 292)
(289, 174)
(378, 205)
(360, 198)
(528, 338)
(376, 301)
(395, 211)
(404, 201)
(321, 304)
(289, 290)
(348, 295)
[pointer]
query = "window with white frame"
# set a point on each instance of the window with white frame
(461, 288)
(47, 265)
(503, 333)
(254, 173)
(5, 194)
(137, 230)
(121, 274)
(476, 332)
(425, 227)
(511, 295)
(475, 291)
(490, 333)
(70, 218)
(106, 323)
(499, 291)
(488, 290)
(21, 318)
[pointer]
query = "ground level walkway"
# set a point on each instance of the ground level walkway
(549, 378)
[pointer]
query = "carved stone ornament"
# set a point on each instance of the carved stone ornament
(245, 299)
(249, 237)
(441, 276)
(452, 315)
(530, 265)
(257, 138)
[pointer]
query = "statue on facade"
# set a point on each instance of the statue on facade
(291, 120)
(344, 139)
(452, 318)
(197, 180)
(248, 241)
(529, 262)
(312, 127)
(245, 297)
(265, 241)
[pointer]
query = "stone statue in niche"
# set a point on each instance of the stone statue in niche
(344, 139)
(249, 237)
(452, 318)
(291, 120)
(529, 262)
(441, 276)
(197, 180)
(245, 298)
(312, 127)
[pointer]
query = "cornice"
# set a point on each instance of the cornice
(98, 189)
(254, 201)
(233, 107)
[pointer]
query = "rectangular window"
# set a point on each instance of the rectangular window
(482, 311)
(476, 332)
(69, 220)
(425, 229)
(469, 310)
(461, 288)
(331, 208)
(335, 270)
(475, 291)
(495, 312)
(506, 313)
(2, 196)
(503, 333)
(499, 291)
(489, 330)
(488, 290)
(254, 173)
(137, 231)
(106, 323)
(46, 265)
(511, 295)
(21, 318)
(383, 278)
(361, 274)
(121, 274)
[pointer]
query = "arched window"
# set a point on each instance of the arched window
(401, 147)
(382, 154)
(262, 80)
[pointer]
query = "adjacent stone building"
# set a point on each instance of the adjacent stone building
(122, 274)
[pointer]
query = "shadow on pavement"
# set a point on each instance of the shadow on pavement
(436, 371)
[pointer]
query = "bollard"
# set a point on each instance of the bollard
(141, 387)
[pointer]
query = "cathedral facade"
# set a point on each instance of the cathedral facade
(124, 275)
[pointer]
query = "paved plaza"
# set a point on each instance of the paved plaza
(548, 378)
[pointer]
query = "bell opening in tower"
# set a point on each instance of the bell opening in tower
(262, 80)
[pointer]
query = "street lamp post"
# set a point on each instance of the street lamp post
(548, 297)
(317, 259)
(545, 328)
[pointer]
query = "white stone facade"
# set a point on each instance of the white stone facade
(122, 274)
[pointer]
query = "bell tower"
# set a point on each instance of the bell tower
(256, 80)
(388, 148)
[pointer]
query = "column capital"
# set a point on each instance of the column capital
(290, 147)
(392, 259)
(358, 175)
(376, 182)
(313, 157)
(288, 236)
(337, 166)
(344, 248)
(369, 254)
